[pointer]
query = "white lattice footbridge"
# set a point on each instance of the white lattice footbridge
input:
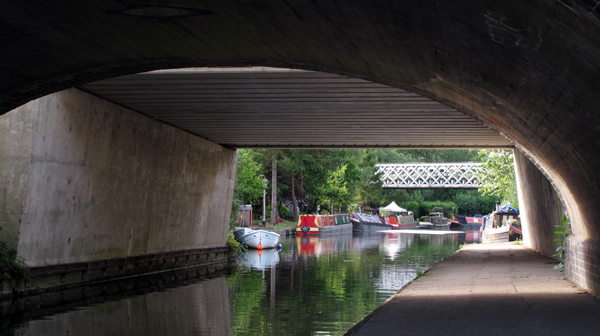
(430, 175)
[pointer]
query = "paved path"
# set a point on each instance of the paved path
(487, 289)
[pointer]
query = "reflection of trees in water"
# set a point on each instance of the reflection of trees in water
(342, 281)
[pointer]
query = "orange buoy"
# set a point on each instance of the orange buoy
(259, 245)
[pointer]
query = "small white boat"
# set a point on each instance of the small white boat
(258, 239)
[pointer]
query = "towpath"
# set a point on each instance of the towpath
(487, 289)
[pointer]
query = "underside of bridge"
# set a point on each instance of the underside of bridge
(528, 70)
(271, 107)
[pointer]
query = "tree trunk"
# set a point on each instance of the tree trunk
(294, 207)
(274, 191)
(304, 202)
(331, 206)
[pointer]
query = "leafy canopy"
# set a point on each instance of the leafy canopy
(498, 176)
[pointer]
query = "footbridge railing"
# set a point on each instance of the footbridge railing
(463, 175)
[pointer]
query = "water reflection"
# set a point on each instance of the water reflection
(327, 284)
(315, 285)
(259, 259)
(198, 309)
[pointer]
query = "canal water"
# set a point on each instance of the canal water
(313, 286)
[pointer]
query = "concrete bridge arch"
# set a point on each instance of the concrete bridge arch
(529, 71)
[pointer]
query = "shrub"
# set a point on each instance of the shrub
(12, 267)
(412, 206)
(233, 244)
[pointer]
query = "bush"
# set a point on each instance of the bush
(427, 207)
(283, 211)
(12, 267)
(233, 244)
(412, 206)
(235, 210)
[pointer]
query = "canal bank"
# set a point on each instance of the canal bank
(487, 289)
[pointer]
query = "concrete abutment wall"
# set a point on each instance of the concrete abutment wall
(89, 180)
(541, 210)
(16, 146)
(540, 206)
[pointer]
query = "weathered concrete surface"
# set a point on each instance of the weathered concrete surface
(539, 204)
(106, 182)
(16, 145)
(487, 289)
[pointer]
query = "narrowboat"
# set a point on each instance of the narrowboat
(323, 224)
(402, 219)
(364, 222)
(503, 225)
(466, 223)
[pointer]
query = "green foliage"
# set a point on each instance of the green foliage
(347, 179)
(412, 206)
(11, 266)
(233, 244)
(249, 182)
(341, 184)
(368, 191)
(284, 211)
(427, 207)
(235, 210)
(498, 177)
(426, 155)
(563, 233)
(470, 202)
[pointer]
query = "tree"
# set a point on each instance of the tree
(498, 176)
(341, 184)
(274, 212)
(369, 185)
(249, 183)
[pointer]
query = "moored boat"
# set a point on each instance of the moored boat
(258, 239)
(496, 235)
(466, 223)
(435, 220)
(400, 218)
(323, 224)
(503, 225)
(364, 222)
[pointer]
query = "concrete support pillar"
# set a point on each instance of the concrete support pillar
(540, 207)
(89, 180)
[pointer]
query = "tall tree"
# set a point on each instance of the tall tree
(274, 212)
(498, 176)
(249, 183)
(369, 185)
